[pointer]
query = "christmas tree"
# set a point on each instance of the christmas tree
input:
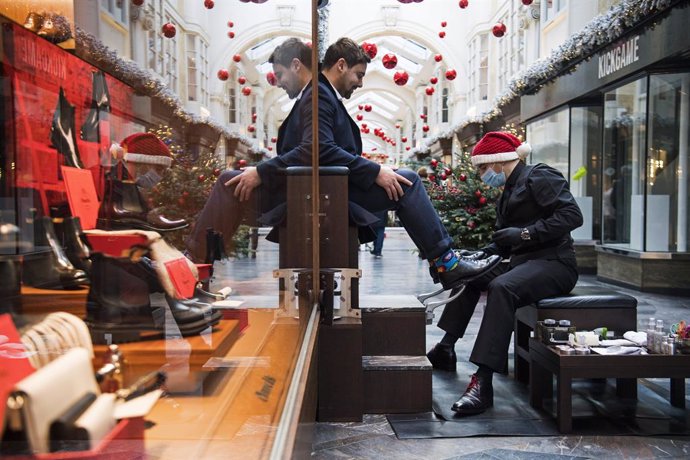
(185, 187)
(466, 205)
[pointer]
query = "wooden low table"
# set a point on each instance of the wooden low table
(548, 361)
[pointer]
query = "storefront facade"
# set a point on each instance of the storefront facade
(617, 127)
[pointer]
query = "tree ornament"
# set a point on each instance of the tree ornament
(367, 130)
(231, 24)
(451, 74)
(407, 148)
(269, 148)
(254, 117)
(237, 58)
(389, 61)
(527, 2)
(241, 80)
(169, 30)
(433, 80)
(370, 49)
(432, 178)
(444, 23)
(448, 171)
(185, 194)
(423, 116)
(201, 177)
(216, 172)
(251, 128)
(438, 58)
(367, 108)
(247, 90)
(403, 139)
(463, 4)
(209, 4)
(499, 30)
(364, 125)
(463, 177)
(137, 2)
(400, 78)
(360, 106)
(442, 34)
(433, 162)
(397, 126)
(360, 117)
(271, 78)
(482, 200)
(274, 139)
(477, 193)
(377, 131)
(223, 74)
(425, 128)
(471, 225)
(231, 34)
(242, 163)
(429, 90)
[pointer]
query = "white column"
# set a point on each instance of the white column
(682, 227)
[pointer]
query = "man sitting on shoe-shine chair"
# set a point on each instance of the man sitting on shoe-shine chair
(535, 215)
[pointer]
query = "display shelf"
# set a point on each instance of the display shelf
(43, 301)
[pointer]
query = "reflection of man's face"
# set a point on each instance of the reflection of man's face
(351, 79)
(287, 79)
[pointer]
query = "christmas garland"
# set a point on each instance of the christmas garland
(601, 31)
(147, 83)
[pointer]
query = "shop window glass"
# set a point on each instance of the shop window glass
(549, 139)
(667, 163)
(624, 166)
(585, 168)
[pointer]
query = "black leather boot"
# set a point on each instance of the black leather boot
(48, 267)
(119, 309)
(100, 108)
(72, 238)
(124, 208)
(478, 397)
(443, 357)
(63, 135)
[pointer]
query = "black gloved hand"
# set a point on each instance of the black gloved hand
(507, 236)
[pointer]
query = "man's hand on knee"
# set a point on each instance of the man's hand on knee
(390, 181)
(244, 183)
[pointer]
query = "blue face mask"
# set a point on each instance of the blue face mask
(494, 179)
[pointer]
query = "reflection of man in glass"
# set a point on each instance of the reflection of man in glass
(230, 197)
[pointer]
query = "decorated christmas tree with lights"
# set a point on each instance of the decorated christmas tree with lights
(466, 205)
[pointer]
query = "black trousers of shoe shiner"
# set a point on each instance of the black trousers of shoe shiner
(508, 288)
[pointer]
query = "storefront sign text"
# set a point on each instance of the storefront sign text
(619, 57)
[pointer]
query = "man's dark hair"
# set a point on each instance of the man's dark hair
(347, 49)
(290, 49)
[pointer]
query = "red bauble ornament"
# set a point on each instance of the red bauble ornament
(209, 4)
(185, 194)
(447, 171)
(364, 125)
(377, 131)
(400, 78)
(463, 4)
(251, 128)
(444, 23)
(438, 58)
(429, 90)
(442, 34)
(223, 74)
(403, 139)
(169, 29)
(397, 126)
(482, 200)
(371, 49)
(471, 225)
(527, 2)
(463, 177)
(360, 106)
(434, 162)
(444, 176)
(407, 148)
(451, 74)
(247, 90)
(253, 117)
(269, 148)
(137, 2)
(432, 178)
(237, 58)
(423, 116)
(274, 139)
(231, 34)
(271, 78)
(478, 193)
(360, 117)
(242, 163)
(499, 30)
(367, 130)
(425, 128)
(181, 201)
(433, 80)
(367, 108)
(201, 178)
(241, 80)
(231, 24)
(389, 61)
(216, 172)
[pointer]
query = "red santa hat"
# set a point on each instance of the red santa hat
(146, 148)
(498, 146)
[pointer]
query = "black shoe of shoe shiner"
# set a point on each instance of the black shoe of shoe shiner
(478, 397)
(467, 270)
(443, 357)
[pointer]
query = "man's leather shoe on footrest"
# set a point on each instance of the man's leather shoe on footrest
(478, 397)
(443, 357)
(467, 270)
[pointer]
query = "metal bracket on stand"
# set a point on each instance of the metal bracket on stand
(433, 305)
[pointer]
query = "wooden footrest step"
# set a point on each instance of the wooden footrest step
(396, 384)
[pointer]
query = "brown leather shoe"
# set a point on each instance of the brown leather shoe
(478, 397)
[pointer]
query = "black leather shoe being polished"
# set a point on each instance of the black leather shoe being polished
(478, 397)
(467, 270)
(125, 208)
(443, 357)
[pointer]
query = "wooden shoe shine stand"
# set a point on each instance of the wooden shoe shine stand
(372, 361)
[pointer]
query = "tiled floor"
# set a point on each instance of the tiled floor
(400, 271)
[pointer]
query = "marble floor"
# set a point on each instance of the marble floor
(400, 271)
